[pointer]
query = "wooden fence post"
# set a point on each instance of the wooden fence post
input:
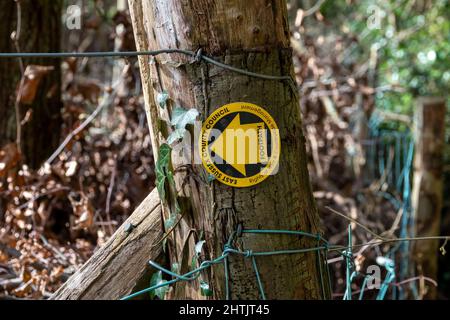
(427, 195)
(253, 35)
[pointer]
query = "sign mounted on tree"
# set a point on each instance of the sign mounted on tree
(240, 144)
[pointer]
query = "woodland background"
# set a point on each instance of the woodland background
(355, 61)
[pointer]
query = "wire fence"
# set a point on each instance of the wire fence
(196, 56)
(389, 154)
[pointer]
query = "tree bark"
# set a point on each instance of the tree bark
(427, 195)
(40, 32)
(253, 35)
(121, 265)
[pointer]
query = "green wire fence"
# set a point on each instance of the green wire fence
(321, 250)
(401, 179)
(322, 245)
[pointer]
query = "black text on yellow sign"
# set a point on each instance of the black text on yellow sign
(240, 144)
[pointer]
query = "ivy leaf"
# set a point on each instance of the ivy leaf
(160, 179)
(199, 246)
(163, 174)
(182, 117)
(162, 169)
(171, 180)
(161, 291)
(169, 223)
(164, 154)
(176, 135)
(193, 262)
(204, 289)
(175, 267)
(162, 98)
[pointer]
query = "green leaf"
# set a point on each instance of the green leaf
(175, 267)
(182, 117)
(162, 98)
(156, 280)
(171, 181)
(204, 289)
(210, 178)
(170, 178)
(164, 154)
(160, 179)
(162, 169)
(176, 135)
(194, 262)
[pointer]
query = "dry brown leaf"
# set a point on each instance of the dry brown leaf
(90, 90)
(9, 157)
(83, 211)
(72, 64)
(29, 84)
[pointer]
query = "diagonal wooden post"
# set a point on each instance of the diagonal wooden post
(118, 267)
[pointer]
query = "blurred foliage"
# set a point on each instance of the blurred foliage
(411, 39)
(377, 56)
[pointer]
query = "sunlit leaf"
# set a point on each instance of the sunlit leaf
(182, 117)
(199, 246)
(205, 290)
(157, 280)
(169, 223)
(162, 98)
(176, 135)
(175, 267)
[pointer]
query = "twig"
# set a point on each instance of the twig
(17, 111)
(107, 99)
(357, 223)
(23, 206)
(377, 243)
(314, 8)
(109, 195)
(169, 231)
(315, 150)
(387, 115)
(395, 284)
(15, 37)
(54, 249)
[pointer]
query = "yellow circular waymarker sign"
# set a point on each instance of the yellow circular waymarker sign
(240, 144)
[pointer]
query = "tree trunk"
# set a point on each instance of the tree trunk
(121, 265)
(253, 35)
(40, 32)
(427, 195)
